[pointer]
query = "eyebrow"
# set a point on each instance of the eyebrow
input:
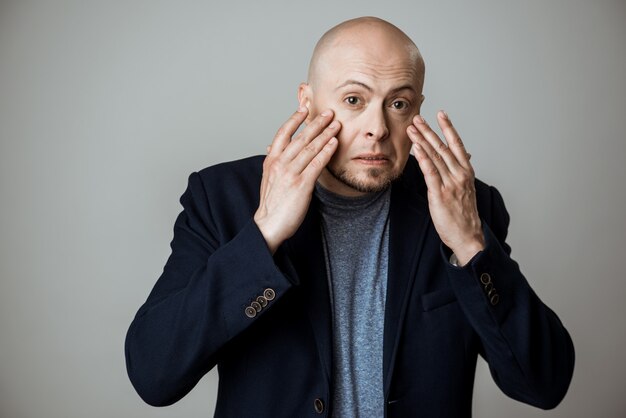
(368, 88)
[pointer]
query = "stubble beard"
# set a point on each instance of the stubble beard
(382, 179)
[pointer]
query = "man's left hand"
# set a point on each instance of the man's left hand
(449, 177)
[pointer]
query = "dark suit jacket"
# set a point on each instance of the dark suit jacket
(277, 363)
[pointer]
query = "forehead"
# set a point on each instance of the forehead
(384, 66)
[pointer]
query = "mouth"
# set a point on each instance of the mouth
(372, 159)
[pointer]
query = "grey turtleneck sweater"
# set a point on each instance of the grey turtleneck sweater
(355, 233)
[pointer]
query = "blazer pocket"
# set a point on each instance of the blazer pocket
(437, 298)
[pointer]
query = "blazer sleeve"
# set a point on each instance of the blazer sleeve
(529, 351)
(198, 305)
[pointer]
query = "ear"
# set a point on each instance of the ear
(305, 98)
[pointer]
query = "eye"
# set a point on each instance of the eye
(400, 105)
(352, 100)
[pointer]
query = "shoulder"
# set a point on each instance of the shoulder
(224, 195)
(231, 184)
(231, 177)
(245, 168)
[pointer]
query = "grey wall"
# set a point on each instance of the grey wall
(106, 107)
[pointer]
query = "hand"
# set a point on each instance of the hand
(449, 177)
(290, 171)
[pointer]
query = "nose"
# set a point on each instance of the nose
(376, 125)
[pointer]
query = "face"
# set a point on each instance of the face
(374, 94)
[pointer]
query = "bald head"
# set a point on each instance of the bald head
(376, 37)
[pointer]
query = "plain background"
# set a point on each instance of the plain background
(107, 107)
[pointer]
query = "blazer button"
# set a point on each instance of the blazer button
(256, 305)
(269, 294)
(318, 404)
(485, 278)
(250, 312)
(262, 301)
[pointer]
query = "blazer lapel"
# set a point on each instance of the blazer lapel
(307, 254)
(409, 221)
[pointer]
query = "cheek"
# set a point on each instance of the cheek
(347, 133)
(345, 114)
(401, 141)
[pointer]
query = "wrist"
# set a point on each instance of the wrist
(272, 241)
(467, 251)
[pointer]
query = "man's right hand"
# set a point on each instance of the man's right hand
(290, 171)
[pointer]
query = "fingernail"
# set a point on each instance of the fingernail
(334, 124)
(444, 114)
(302, 109)
(419, 119)
(326, 113)
(332, 140)
(413, 129)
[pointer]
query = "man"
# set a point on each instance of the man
(340, 276)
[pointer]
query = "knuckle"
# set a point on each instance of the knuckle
(316, 163)
(298, 136)
(282, 131)
(328, 148)
(424, 158)
(295, 118)
(322, 123)
(275, 169)
(332, 127)
(468, 185)
(310, 148)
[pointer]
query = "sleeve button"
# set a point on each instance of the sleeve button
(250, 312)
(269, 294)
(262, 301)
(256, 306)
(489, 287)
(485, 278)
(494, 299)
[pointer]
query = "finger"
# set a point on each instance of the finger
(430, 171)
(286, 131)
(313, 148)
(317, 164)
(418, 138)
(309, 133)
(437, 145)
(453, 139)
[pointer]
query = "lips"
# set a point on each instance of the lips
(372, 159)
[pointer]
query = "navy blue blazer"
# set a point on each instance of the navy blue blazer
(265, 320)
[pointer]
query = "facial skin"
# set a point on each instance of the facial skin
(371, 75)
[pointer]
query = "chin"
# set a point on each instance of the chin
(369, 180)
